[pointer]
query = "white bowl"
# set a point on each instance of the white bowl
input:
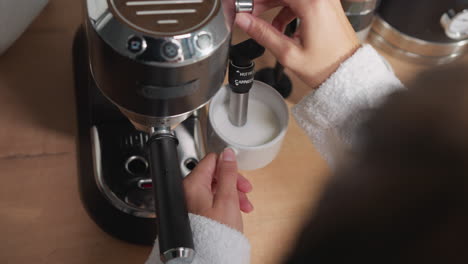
(15, 17)
(258, 156)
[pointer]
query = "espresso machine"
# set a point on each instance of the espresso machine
(145, 71)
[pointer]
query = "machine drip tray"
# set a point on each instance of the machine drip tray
(121, 168)
(120, 165)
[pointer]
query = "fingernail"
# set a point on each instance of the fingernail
(243, 21)
(229, 155)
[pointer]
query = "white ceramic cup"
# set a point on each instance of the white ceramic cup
(15, 17)
(250, 157)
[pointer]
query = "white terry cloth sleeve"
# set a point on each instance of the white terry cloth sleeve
(331, 114)
(214, 242)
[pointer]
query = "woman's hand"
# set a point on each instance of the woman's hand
(322, 42)
(216, 190)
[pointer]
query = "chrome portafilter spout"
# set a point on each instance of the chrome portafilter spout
(241, 77)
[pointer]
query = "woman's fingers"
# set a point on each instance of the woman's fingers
(266, 35)
(227, 175)
(204, 172)
(244, 203)
(284, 17)
(243, 184)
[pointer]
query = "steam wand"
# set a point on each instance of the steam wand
(241, 77)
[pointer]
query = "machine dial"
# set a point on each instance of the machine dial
(170, 51)
(136, 45)
(455, 24)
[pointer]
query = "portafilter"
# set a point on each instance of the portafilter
(158, 62)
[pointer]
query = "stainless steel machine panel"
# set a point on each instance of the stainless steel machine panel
(163, 17)
(158, 61)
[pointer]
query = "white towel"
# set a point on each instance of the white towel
(331, 114)
(15, 17)
(214, 242)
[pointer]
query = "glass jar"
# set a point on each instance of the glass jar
(361, 15)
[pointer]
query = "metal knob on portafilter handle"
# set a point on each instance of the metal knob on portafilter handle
(241, 77)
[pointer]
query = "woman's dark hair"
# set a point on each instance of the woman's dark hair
(404, 198)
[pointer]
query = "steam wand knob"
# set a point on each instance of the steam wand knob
(244, 6)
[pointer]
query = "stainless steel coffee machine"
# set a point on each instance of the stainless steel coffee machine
(158, 63)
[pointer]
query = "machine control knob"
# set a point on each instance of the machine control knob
(136, 45)
(170, 51)
(203, 41)
(455, 24)
(244, 6)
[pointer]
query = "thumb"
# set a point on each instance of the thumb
(204, 172)
(227, 179)
(268, 36)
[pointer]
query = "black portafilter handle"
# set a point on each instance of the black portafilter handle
(173, 225)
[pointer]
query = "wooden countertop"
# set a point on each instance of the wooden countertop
(41, 216)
